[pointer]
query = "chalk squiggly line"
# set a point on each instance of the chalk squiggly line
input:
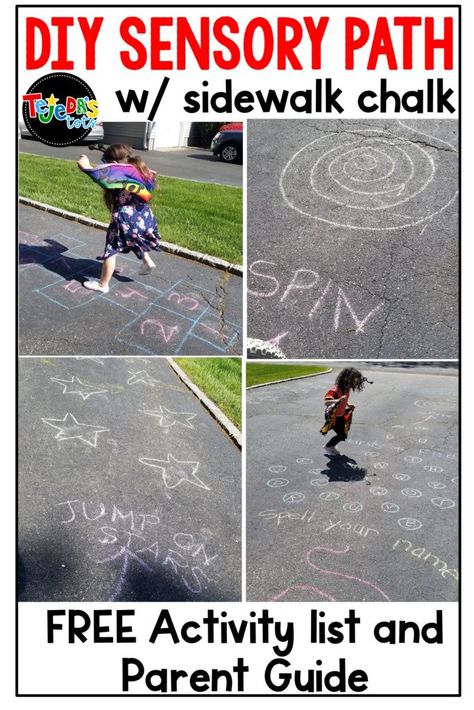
(330, 572)
(305, 588)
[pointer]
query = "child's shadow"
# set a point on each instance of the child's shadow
(52, 258)
(343, 468)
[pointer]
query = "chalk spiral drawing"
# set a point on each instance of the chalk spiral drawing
(167, 418)
(368, 179)
(175, 472)
(70, 428)
(341, 575)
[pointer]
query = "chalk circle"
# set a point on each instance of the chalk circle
(378, 491)
(304, 461)
(412, 459)
(277, 469)
(422, 441)
(277, 482)
(455, 479)
(436, 485)
(319, 482)
(329, 495)
(410, 523)
(390, 507)
(380, 464)
(434, 469)
(401, 476)
(316, 471)
(293, 497)
(354, 507)
(438, 405)
(411, 493)
(368, 180)
(443, 503)
(390, 436)
(371, 454)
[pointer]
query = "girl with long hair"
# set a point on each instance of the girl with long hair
(348, 379)
(127, 183)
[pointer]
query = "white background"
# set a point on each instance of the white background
(423, 662)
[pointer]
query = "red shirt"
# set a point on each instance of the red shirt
(336, 393)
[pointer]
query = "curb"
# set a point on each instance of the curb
(290, 379)
(168, 247)
(213, 409)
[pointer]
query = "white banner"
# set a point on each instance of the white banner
(238, 649)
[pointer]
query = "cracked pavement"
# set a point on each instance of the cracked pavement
(183, 307)
(353, 237)
(128, 490)
(378, 522)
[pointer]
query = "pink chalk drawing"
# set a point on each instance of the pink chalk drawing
(341, 296)
(188, 302)
(131, 292)
(309, 554)
(166, 331)
(73, 286)
(277, 339)
(303, 588)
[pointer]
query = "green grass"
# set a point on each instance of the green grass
(199, 216)
(220, 378)
(259, 373)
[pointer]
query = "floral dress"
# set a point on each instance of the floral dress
(133, 227)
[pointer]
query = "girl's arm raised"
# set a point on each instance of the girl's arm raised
(84, 163)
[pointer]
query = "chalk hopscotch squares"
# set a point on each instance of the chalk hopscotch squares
(135, 297)
(68, 294)
(154, 330)
(213, 331)
(36, 250)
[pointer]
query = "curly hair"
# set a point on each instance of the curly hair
(350, 379)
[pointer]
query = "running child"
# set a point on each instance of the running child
(127, 182)
(337, 398)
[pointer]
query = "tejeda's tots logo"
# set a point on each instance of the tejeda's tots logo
(60, 109)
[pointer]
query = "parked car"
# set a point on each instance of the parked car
(227, 144)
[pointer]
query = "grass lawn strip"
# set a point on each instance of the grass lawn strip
(220, 379)
(199, 216)
(262, 373)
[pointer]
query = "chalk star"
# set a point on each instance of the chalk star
(142, 376)
(52, 100)
(175, 472)
(167, 418)
(98, 360)
(85, 392)
(72, 429)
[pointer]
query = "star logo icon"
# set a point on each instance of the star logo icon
(167, 418)
(141, 376)
(70, 428)
(85, 391)
(175, 472)
(52, 100)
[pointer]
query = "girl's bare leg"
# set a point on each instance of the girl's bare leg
(108, 268)
(148, 260)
